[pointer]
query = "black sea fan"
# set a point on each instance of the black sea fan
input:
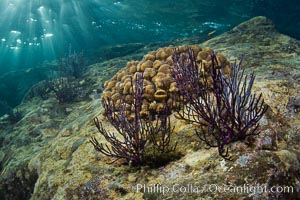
(131, 145)
(221, 103)
(134, 137)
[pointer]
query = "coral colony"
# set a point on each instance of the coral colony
(221, 103)
(159, 86)
(215, 97)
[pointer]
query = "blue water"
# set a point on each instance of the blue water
(33, 31)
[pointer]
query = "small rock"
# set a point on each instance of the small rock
(132, 178)
(242, 161)
(294, 104)
(66, 133)
(195, 158)
(82, 82)
(266, 140)
(289, 159)
(68, 110)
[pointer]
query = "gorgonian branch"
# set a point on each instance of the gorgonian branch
(221, 103)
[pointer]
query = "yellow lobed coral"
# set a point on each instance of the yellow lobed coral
(159, 86)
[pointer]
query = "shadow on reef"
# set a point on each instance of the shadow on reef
(19, 185)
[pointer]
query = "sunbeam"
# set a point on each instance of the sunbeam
(37, 30)
(32, 31)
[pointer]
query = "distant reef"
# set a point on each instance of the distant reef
(15, 85)
(46, 154)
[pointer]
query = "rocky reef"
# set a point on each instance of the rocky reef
(47, 154)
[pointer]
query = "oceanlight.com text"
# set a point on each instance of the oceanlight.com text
(212, 188)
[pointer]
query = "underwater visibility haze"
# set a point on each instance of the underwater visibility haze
(37, 32)
(149, 99)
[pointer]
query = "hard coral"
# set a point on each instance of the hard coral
(159, 85)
